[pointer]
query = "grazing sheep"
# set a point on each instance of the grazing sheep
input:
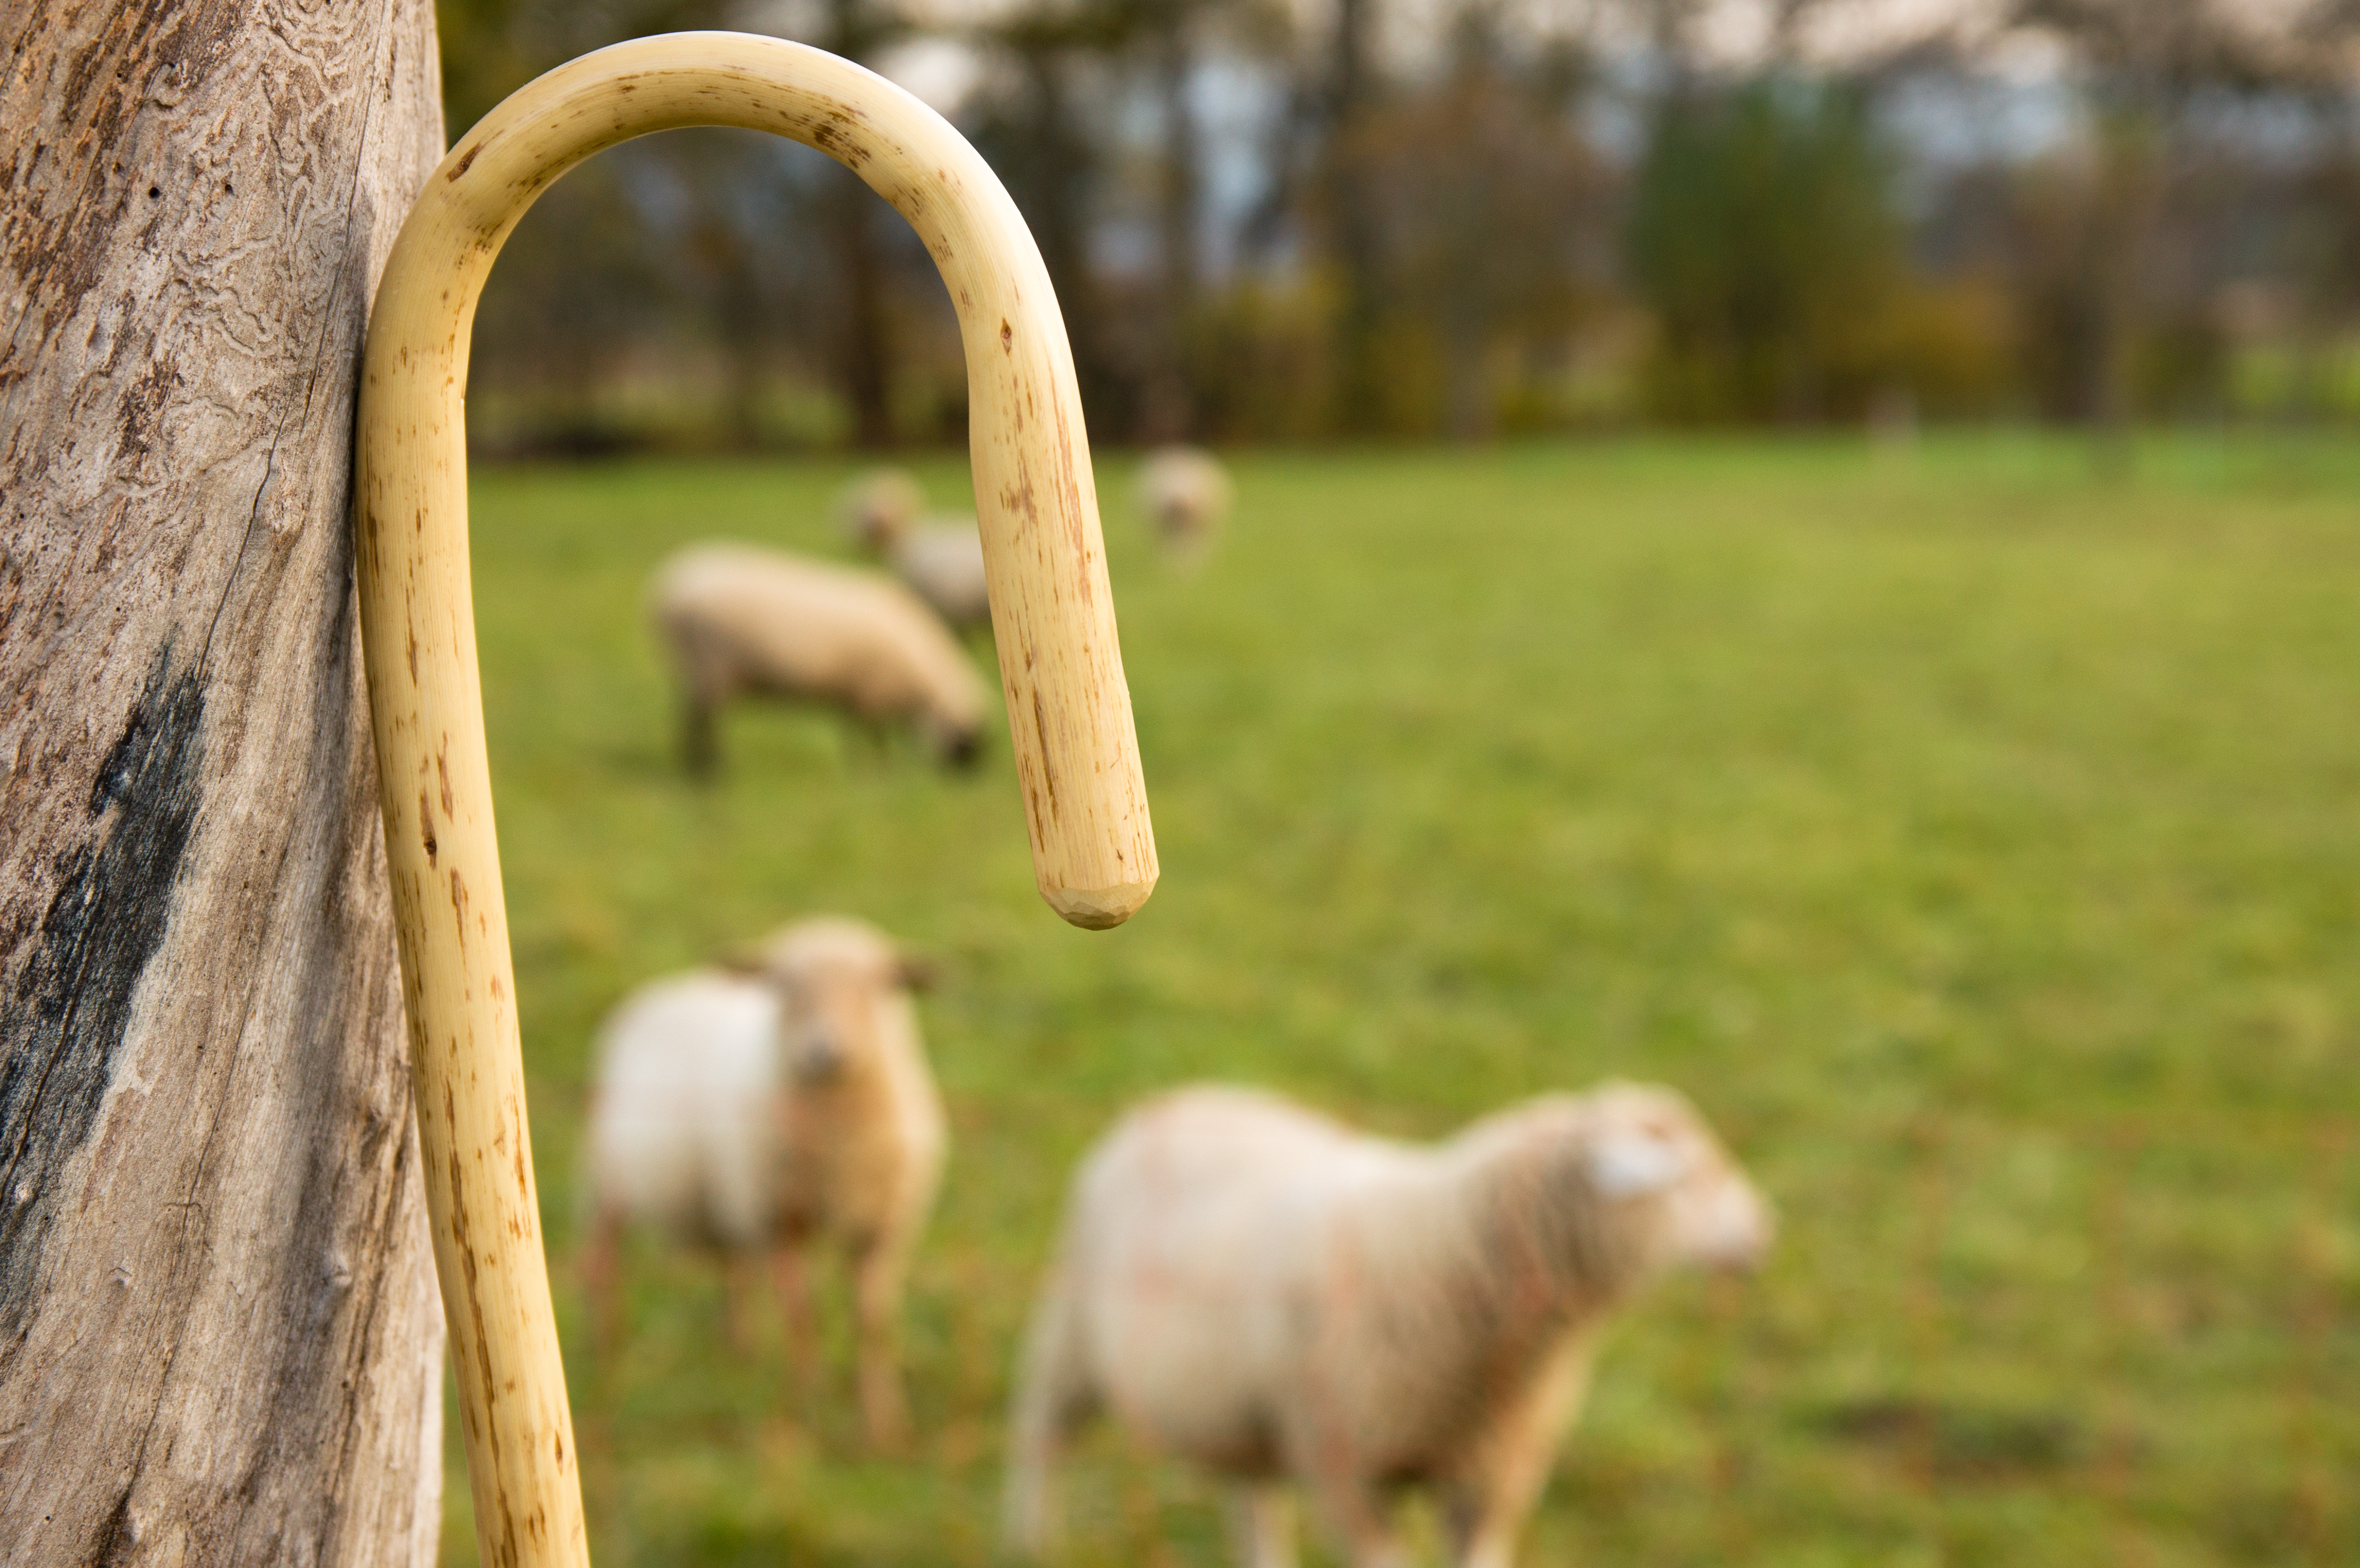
(940, 559)
(1185, 492)
(737, 620)
(879, 504)
(765, 1111)
(1275, 1297)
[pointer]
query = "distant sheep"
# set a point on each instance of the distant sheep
(878, 504)
(940, 559)
(1184, 493)
(1271, 1295)
(739, 622)
(765, 1111)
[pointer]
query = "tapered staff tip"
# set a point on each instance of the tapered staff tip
(1098, 908)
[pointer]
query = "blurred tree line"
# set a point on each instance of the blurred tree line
(1357, 218)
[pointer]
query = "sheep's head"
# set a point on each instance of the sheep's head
(1184, 490)
(878, 506)
(956, 744)
(836, 981)
(1649, 1156)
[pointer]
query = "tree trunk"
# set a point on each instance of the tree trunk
(1052, 194)
(1171, 412)
(860, 353)
(854, 30)
(2123, 217)
(219, 1335)
(1354, 240)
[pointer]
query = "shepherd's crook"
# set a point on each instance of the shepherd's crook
(1069, 710)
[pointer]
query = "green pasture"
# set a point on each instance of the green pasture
(1974, 835)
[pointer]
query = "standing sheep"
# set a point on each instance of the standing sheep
(940, 559)
(1184, 492)
(738, 621)
(1275, 1297)
(765, 1111)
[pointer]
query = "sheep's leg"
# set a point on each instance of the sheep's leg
(1484, 1508)
(1362, 1518)
(1487, 1501)
(877, 1269)
(699, 752)
(1483, 1532)
(1052, 1394)
(1483, 1528)
(699, 671)
(737, 1288)
(1370, 1537)
(1262, 1525)
(791, 1275)
(602, 1280)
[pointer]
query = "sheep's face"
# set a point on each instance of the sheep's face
(880, 508)
(1649, 1151)
(821, 1026)
(834, 979)
(956, 745)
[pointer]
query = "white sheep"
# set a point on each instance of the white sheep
(766, 1110)
(1185, 492)
(1273, 1296)
(878, 504)
(738, 621)
(940, 558)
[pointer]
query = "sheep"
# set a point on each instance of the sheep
(765, 1108)
(879, 504)
(939, 559)
(1184, 492)
(737, 620)
(1261, 1290)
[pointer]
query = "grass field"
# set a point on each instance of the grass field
(1973, 838)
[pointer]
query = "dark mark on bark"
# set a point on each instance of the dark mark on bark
(143, 406)
(460, 1234)
(117, 1537)
(833, 135)
(461, 167)
(63, 1025)
(1041, 728)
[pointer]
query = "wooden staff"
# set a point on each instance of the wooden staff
(1068, 709)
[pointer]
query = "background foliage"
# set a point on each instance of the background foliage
(1278, 222)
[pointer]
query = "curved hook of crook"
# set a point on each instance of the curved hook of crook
(1052, 615)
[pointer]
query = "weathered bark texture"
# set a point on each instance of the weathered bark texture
(219, 1335)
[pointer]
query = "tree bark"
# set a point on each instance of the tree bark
(219, 1334)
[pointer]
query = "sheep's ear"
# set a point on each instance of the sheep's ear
(743, 958)
(915, 972)
(1629, 1164)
